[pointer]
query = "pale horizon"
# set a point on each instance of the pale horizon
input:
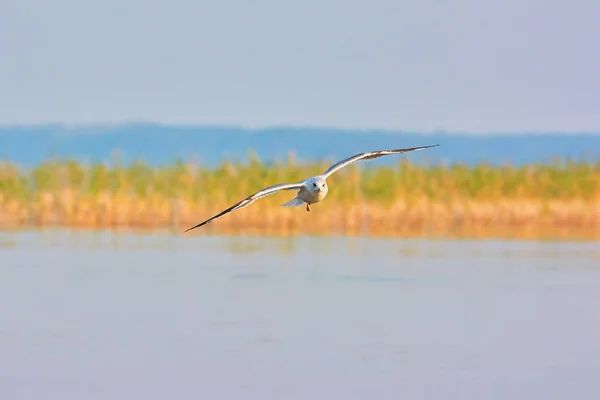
(106, 126)
(468, 67)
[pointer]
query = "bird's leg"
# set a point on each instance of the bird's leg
(307, 207)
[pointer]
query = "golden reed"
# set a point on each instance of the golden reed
(561, 200)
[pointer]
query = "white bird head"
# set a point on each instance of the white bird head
(317, 184)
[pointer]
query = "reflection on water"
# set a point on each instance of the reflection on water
(116, 316)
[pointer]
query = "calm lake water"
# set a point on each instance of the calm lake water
(107, 316)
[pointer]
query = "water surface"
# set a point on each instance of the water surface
(107, 316)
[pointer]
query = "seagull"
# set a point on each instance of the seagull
(311, 190)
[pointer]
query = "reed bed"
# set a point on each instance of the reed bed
(561, 199)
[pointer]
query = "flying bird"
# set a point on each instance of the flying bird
(311, 190)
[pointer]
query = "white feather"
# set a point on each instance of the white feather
(295, 202)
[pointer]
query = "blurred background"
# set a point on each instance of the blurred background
(167, 178)
(466, 270)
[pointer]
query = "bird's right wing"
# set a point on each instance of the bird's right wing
(251, 199)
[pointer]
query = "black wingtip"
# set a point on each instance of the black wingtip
(427, 147)
(193, 227)
(201, 224)
(421, 147)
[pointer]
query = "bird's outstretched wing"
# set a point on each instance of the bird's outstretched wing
(251, 199)
(369, 155)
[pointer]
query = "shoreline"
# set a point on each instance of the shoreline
(521, 219)
(534, 201)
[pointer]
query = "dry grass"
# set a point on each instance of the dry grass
(559, 200)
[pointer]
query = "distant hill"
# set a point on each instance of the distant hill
(159, 144)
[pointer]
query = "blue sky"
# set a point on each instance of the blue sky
(462, 65)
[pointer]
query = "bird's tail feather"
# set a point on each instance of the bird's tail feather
(295, 202)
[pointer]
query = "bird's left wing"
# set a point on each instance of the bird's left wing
(369, 155)
(251, 199)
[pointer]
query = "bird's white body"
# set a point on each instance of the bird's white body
(311, 190)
